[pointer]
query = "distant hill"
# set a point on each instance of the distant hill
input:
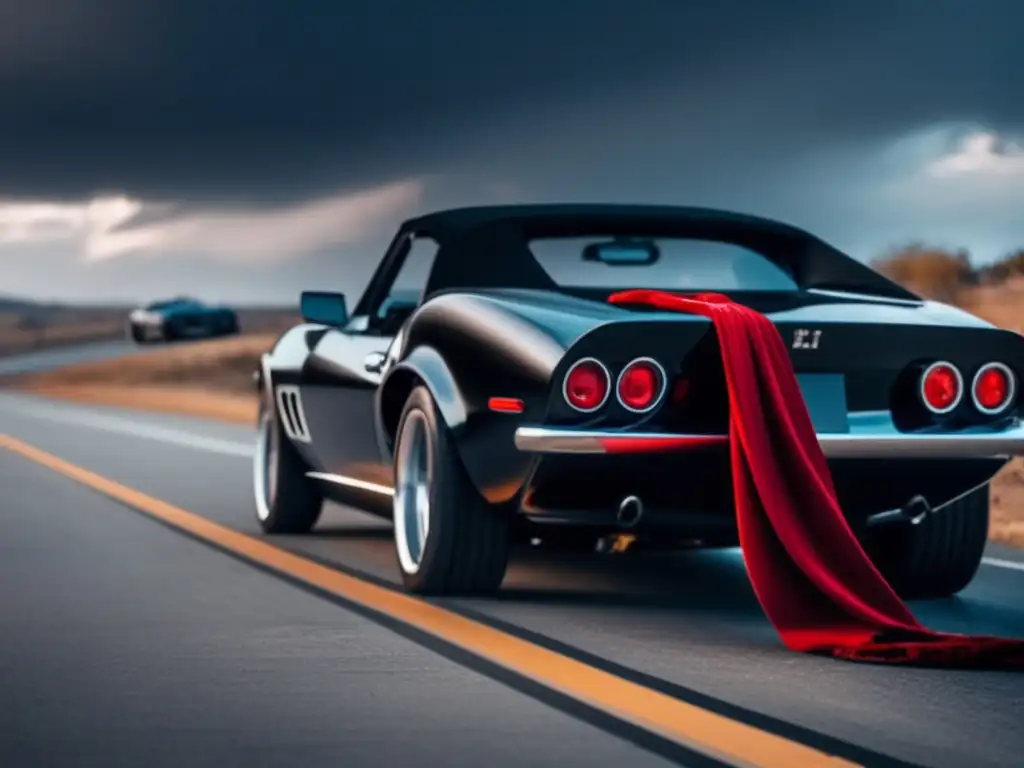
(17, 303)
(13, 304)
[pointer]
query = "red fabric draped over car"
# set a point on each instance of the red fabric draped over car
(811, 576)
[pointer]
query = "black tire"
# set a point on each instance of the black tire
(939, 556)
(286, 500)
(466, 546)
(136, 334)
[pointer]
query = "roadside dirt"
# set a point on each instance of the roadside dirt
(203, 403)
(210, 379)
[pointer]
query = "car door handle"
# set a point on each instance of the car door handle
(374, 362)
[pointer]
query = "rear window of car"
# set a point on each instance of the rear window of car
(685, 265)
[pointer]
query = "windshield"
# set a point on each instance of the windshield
(685, 264)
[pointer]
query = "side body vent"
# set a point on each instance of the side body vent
(293, 418)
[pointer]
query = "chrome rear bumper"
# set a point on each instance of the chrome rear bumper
(872, 435)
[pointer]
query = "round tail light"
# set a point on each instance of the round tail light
(587, 385)
(942, 387)
(993, 388)
(641, 385)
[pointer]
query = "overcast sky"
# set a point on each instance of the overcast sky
(243, 150)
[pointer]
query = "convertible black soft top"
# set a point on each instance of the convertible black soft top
(487, 246)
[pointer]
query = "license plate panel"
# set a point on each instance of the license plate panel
(825, 395)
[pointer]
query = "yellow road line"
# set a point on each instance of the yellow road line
(698, 729)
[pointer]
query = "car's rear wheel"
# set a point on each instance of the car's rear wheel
(286, 500)
(448, 539)
(939, 556)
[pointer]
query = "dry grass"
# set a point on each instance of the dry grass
(197, 401)
(1001, 305)
(220, 365)
(212, 379)
(28, 330)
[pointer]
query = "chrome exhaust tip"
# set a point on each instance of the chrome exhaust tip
(631, 509)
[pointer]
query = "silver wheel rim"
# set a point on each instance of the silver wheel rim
(265, 466)
(412, 491)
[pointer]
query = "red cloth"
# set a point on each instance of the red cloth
(813, 580)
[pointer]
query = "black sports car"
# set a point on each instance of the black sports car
(180, 318)
(483, 389)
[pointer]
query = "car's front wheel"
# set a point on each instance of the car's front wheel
(136, 334)
(939, 556)
(286, 500)
(448, 539)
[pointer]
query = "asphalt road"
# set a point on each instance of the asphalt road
(126, 644)
(56, 357)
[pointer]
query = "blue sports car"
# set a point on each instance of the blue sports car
(180, 318)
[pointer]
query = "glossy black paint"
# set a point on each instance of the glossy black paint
(468, 344)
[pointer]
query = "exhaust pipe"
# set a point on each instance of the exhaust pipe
(913, 513)
(631, 509)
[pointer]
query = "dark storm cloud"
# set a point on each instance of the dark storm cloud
(268, 98)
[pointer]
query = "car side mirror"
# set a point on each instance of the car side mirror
(324, 308)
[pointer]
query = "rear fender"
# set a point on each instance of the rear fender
(423, 366)
(484, 440)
